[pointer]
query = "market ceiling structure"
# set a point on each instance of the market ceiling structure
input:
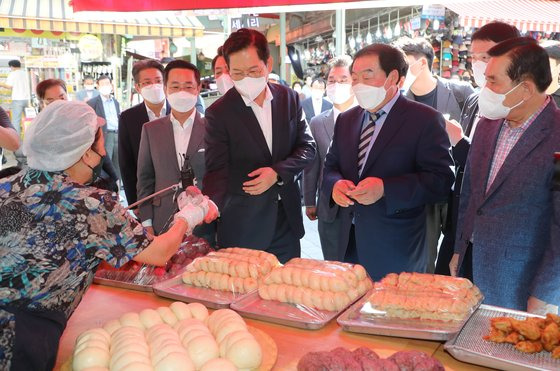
(59, 16)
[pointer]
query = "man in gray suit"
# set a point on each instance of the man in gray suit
(446, 96)
(339, 91)
(510, 206)
(167, 142)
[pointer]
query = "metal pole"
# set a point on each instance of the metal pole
(283, 46)
(340, 31)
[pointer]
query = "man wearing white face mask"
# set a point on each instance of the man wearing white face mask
(447, 97)
(510, 203)
(167, 142)
(317, 103)
(460, 134)
(388, 159)
(107, 107)
(339, 91)
(257, 143)
(221, 73)
(148, 81)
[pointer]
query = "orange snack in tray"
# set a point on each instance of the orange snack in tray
(531, 335)
(424, 296)
(322, 285)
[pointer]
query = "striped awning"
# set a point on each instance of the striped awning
(58, 16)
(526, 15)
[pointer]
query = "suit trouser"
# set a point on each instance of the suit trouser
(351, 255)
(329, 234)
(112, 149)
(436, 217)
(285, 245)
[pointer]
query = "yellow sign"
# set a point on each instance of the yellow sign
(90, 47)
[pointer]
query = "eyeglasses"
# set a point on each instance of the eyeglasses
(254, 72)
(144, 84)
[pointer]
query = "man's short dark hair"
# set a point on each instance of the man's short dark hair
(390, 58)
(496, 32)
(104, 77)
(14, 63)
(144, 65)
(220, 54)
(88, 77)
(179, 63)
(417, 47)
(244, 38)
(44, 85)
(320, 81)
(528, 60)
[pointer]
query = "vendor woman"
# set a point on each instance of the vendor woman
(55, 230)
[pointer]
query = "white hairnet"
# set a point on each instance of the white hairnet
(60, 135)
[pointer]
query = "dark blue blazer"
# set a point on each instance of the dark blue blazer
(307, 105)
(515, 225)
(412, 156)
(236, 146)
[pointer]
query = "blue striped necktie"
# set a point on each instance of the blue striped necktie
(365, 137)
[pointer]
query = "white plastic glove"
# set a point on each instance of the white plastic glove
(537, 306)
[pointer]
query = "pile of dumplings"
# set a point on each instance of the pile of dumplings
(181, 337)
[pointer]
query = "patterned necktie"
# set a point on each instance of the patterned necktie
(365, 137)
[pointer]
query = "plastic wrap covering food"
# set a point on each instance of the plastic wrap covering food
(305, 293)
(423, 296)
(178, 337)
(140, 276)
(220, 277)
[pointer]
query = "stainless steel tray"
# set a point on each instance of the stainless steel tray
(174, 288)
(294, 315)
(122, 284)
(469, 346)
(352, 320)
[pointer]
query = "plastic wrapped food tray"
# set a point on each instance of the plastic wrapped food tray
(175, 289)
(469, 346)
(363, 318)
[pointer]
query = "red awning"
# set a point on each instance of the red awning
(529, 15)
(159, 5)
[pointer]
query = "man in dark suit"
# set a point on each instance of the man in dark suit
(257, 143)
(339, 91)
(461, 134)
(107, 107)
(510, 207)
(167, 143)
(316, 104)
(148, 81)
(445, 96)
(388, 159)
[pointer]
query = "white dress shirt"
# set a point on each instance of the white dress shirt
(152, 115)
(111, 116)
(317, 106)
(263, 115)
(182, 135)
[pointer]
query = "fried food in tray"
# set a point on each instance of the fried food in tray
(531, 335)
(423, 296)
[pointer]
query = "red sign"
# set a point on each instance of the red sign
(162, 5)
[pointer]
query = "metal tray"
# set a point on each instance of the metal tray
(352, 320)
(294, 315)
(122, 284)
(174, 288)
(468, 345)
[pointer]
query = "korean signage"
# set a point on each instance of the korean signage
(246, 21)
(433, 12)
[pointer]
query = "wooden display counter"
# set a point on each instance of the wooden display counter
(102, 303)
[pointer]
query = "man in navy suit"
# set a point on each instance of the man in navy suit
(509, 210)
(257, 142)
(317, 104)
(388, 159)
(148, 81)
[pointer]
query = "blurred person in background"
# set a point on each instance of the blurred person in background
(339, 91)
(317, 103)
(55, 229)
(553, 50)
(221, 73)
(88, 92)
(148, 82)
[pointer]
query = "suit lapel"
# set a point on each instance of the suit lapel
(280, 129)
(249, 119)
(391, 126)
(101, 108)
(535, 133)
(444, 95)
(197, 135)
(482, 160)
(144, 115)
(328, 124)
(169, 137)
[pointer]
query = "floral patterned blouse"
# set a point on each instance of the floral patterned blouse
(53, 234)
